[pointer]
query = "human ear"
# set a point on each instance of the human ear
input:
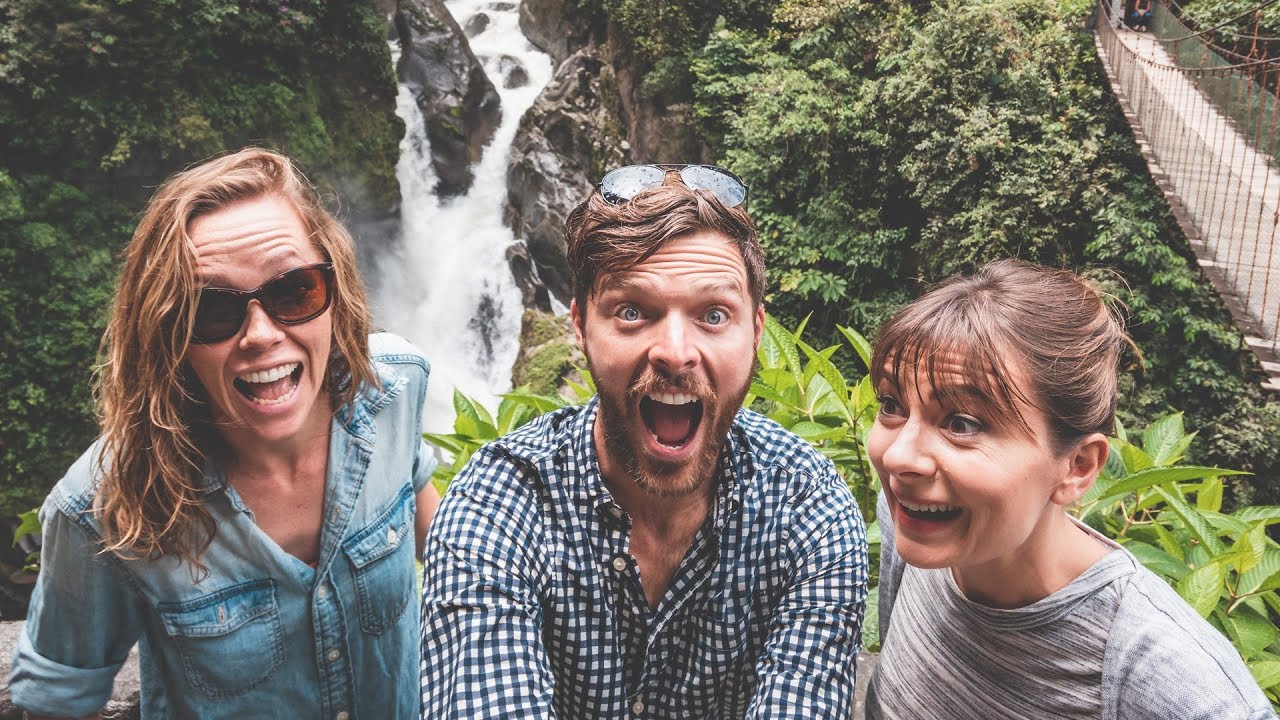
(575, 315)
(1085, 462)
(759, 323)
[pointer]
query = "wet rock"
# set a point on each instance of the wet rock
(475, 25)
(513, 73)
(555, 28)
(533, 294)
(562, 147)
(460, 106)
(502, 6)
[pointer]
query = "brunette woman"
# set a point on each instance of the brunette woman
(997, 392)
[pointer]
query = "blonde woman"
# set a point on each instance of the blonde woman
(250, 513)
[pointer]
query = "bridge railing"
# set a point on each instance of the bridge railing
(1209, 127)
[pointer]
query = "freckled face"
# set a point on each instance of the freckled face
(671, 344)
(963, 490)
(266, 382)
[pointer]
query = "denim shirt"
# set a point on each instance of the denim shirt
(263, 634)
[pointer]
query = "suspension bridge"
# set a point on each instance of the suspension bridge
(1206, 119)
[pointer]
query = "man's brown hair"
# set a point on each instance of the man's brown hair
(604, 239)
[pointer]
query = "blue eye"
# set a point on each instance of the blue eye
(629, 313)
(964, 425)
(716, 317)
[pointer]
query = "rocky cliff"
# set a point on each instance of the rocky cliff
(591, 118)
(458, 102)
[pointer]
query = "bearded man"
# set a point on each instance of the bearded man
(659, 552)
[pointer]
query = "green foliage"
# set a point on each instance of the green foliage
(1170, 516)
(56, 247)
(29, 525)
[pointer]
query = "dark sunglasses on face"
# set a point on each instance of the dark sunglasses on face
(623, 184)
(290, 298)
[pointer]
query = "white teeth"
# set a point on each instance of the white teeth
(669, 398)
(928, 508)
(271, 375)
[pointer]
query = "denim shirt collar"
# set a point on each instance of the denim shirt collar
(355, 417)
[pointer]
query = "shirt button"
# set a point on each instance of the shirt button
(637, 707)
(322, 592)
(392, 536)
(619, 563)
(333, 655)
(343, 715)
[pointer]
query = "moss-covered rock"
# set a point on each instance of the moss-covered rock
(548, 353)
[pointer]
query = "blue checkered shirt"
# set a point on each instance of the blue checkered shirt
(533, 607)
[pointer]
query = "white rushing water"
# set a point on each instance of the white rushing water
(452, 293)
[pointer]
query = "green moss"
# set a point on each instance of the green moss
(544, 369)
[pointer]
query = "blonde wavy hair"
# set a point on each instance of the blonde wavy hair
(157, 428)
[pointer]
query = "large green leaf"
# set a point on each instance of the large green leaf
(469, 420)
(1250, 633)
(871, 621)
(1265, 572)
(1158, 561)
(1267, 673)
(786, 344)
(1169, 543)
(1200, 528)
(1268, 513)
(817, 432)
(1163, 440)
(1210, 495)
(28, 524)
(839, 386)
(1148, 478)
(859, 343)
(1202, 587)
(1225, 524)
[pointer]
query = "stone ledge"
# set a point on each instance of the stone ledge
(123, 704)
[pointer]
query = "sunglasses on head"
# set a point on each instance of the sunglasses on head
(289, 298)
(621, 185)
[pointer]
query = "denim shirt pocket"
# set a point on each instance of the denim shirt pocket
(381, 558)
(230, 641)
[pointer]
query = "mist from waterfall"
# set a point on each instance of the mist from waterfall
(449, 289)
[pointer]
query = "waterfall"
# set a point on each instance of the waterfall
(449, 289)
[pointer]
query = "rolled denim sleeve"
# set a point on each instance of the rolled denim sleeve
(81, 623)
(809, 663)
(424, 464)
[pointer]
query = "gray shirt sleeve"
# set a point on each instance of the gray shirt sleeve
(891, 566)
(1164, 661)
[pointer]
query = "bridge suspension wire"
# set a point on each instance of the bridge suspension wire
(1209, 130)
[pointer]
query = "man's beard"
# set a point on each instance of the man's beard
(657, 477)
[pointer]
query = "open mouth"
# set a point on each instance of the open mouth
(272, 386)
(671, 418)
(929, 513)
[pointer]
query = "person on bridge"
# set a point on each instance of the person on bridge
(659, 552)
(997, 392)
(249, 514)
(1140, 18)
